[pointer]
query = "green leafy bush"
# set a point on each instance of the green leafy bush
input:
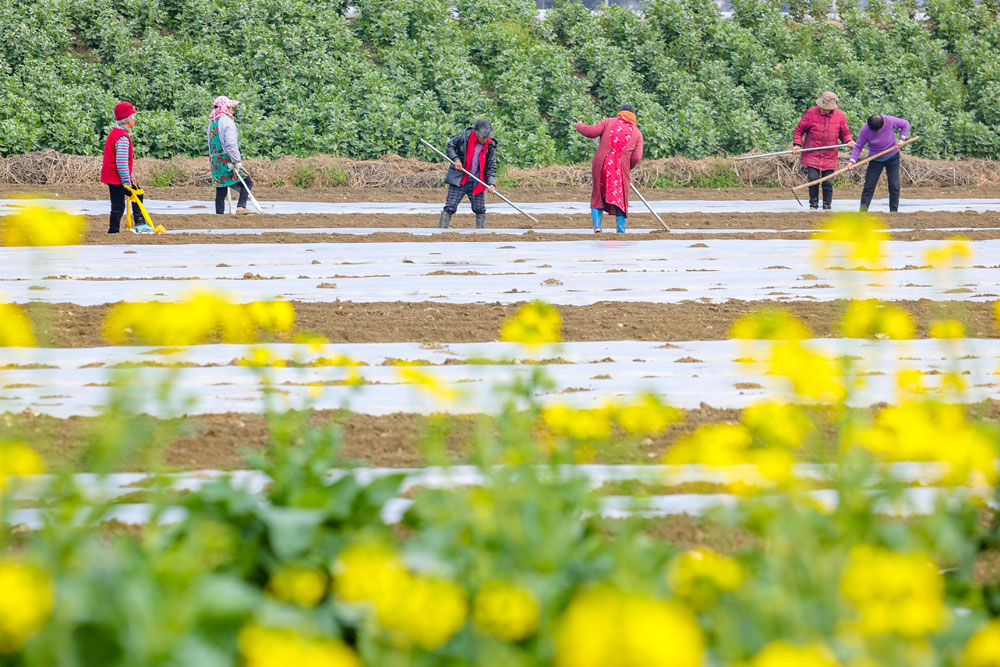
(313, 81)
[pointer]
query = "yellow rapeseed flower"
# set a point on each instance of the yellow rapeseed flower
(782, 653)
(869, 319)
(900, 593)
(427, 383)
(304, 586)
(954, 253)
(262, 357)
(770, 325)
(909, 384)
(26, 598)
(647, 415)
(699, 576)
(426, 611)
(983, 649)
(15, 327)
(38, 226)
(604, 627)
(18, 459)
(947, 329)
(508, 612)
(578, 423)
(536, 323)
(713, 445)
(812, 376)
(858, 237)
(283, 647)
(777, 423)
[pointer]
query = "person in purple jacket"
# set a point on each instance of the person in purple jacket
(880, 134)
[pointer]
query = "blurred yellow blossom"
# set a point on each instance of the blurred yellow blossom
(283, 647)
(198, 319)
(427, 383)
(303, 586)
(782, 653)
(698, 577)
(536, 323)
(770, 325)
(869, 319)
(857, 237)
(983, 649)
(947, 329)
(424, 610)
(15, 327)
(647, 415)
(604, 627)
(262, 357)
(811, 375)
(26, 598)
(894, 592)
(777, 423)
(578, 423)
(38, 226)
(712, 445)
(954, 253)
(932, 431)
(909, 384)
(508, 612)
(17, 459)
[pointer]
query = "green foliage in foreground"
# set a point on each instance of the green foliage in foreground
(314, 81)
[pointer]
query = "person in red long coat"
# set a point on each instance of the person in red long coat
(619, 151)
(822, 125)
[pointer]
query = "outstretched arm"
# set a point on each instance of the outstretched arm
(592, 131)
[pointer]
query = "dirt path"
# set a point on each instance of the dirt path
(70, 325)
(99, 191)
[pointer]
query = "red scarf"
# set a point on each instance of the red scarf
(469, 151)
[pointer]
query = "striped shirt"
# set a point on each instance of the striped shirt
(475, 159)
(121, 158)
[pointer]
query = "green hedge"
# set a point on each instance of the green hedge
(313, 80)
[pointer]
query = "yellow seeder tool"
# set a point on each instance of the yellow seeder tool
(133, 198)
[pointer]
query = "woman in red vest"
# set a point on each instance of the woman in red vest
(822, 125)
(618, 153)
(475, 151)
(116, 171)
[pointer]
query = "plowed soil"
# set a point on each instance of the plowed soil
(70, 325)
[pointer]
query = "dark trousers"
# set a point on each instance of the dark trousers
(118, 195)
(458, 192)
(220, 195)
(815, 173)
(874, 172)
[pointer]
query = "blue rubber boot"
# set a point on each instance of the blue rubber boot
(595, 214)
(621, 220)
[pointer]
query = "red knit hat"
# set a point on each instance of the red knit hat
(123, 110)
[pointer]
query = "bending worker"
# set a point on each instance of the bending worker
(475, 150)
(224, 152)
(619, 151)
(116, 171)
(822, 125)
(879, 134)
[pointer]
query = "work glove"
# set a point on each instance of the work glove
(237, 167)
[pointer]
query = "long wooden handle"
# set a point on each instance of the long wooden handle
(481, 182)
(803, 150)
(856, 164)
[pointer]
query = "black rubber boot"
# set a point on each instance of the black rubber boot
(444, 222)
(480, 221)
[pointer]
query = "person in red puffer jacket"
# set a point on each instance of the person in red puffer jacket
(822, 125)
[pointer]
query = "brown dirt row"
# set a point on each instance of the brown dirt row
(51, 167)
(219, 441)
(70, 325)
(95, 190)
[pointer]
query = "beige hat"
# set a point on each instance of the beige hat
(827, 100)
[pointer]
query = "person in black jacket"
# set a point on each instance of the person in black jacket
(475, 150)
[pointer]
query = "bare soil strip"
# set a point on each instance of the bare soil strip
(220, 441)
(524, 194)
(70, 325)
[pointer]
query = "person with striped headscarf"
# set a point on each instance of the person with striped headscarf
(224, 152)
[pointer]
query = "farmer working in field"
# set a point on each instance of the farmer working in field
(116, 171)
(822, 125)
(475, 151)
(619, 151)
(224, 151)
(879, 134)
